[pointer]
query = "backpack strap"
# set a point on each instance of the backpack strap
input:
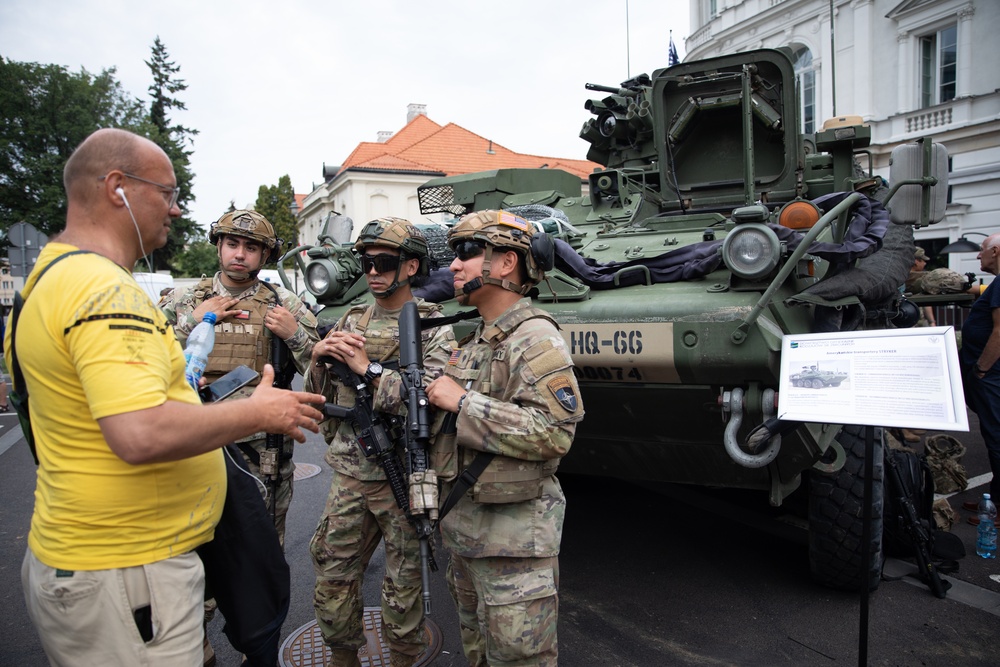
(19, 389)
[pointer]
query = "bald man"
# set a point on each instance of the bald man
(130, 478)
(979, 354)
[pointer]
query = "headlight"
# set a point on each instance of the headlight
(318, 277)
(751, 251)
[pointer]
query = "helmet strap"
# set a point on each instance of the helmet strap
(395, 285)
(486, 279)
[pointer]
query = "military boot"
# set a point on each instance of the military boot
(343, 657)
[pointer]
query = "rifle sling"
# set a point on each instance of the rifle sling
(465, 481)
(434, 322)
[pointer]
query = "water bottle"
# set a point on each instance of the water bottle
(199, 346)
(986, 544)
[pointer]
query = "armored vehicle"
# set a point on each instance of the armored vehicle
(810, 376)
(714, 229)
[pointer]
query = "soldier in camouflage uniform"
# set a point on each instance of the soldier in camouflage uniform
(249, 312)
(361, 508)
(512, 387)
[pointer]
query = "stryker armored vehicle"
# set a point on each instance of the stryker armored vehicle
(715, 228)
(811, 376)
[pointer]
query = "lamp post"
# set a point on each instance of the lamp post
(963, 244)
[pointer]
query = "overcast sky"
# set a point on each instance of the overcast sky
(280, 88)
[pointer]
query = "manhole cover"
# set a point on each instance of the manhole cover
(305, 647)
(305, 471)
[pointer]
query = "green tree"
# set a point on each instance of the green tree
(198, 259)
(274, 202)
(45, 112)
(175, 140)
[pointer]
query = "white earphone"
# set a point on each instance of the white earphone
(121, 193)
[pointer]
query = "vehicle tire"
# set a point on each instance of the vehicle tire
(437, 245)
(836, 519)
(817, 384)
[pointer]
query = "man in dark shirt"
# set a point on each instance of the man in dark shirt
(979, 354)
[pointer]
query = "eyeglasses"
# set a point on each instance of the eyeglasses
(382, 263)
(174, 192)
(466, 250)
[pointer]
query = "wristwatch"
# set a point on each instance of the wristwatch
(373, 371)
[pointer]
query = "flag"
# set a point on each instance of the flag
(672, 58)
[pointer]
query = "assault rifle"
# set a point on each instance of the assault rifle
(423, 479)
(374, 430)
(919, 535)
(274, 443)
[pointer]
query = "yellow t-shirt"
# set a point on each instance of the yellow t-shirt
(91, 344)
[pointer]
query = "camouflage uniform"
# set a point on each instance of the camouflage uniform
(522, 405)
(361, 508)
(255, 352)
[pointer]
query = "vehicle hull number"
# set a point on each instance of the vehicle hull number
(627, 352)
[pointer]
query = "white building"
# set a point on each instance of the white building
(380, 178)
(909, 68)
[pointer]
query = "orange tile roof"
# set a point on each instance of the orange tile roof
(423, 145)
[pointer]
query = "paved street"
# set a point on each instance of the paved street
(647, 579)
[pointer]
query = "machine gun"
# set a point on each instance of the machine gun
(423, 479)
(919, 535)
(274, 443)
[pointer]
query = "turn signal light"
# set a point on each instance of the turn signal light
(799, 214)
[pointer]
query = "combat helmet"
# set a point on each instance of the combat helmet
(503, 229)
(402, 235)
(248, 224)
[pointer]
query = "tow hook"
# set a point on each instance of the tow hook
(732, 405)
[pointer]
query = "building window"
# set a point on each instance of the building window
(938, 66)
(805, 75)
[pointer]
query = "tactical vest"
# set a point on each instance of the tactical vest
(381, 344)
(239, 339)
(505, 479)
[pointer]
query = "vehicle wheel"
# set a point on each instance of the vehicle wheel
(836, 518)
(437, 245)
(817, 384)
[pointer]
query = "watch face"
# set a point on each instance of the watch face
(375, 368)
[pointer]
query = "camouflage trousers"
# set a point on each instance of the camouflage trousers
(507, 609)
(357, 516)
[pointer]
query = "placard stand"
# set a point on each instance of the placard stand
(906, 378)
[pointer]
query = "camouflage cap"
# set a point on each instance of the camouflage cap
(942, 281)
(921, 254)
(248, 224)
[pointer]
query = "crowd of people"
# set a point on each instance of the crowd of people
(131, 475)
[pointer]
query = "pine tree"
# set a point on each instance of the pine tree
(175, 140)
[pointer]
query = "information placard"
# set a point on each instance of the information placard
(907, 378)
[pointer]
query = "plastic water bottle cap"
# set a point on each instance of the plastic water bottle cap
(210, 318)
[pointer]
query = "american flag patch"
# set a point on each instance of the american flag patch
(511, 220)
(453, 359)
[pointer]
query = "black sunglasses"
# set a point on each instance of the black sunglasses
(382, 263)
(466, 250)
